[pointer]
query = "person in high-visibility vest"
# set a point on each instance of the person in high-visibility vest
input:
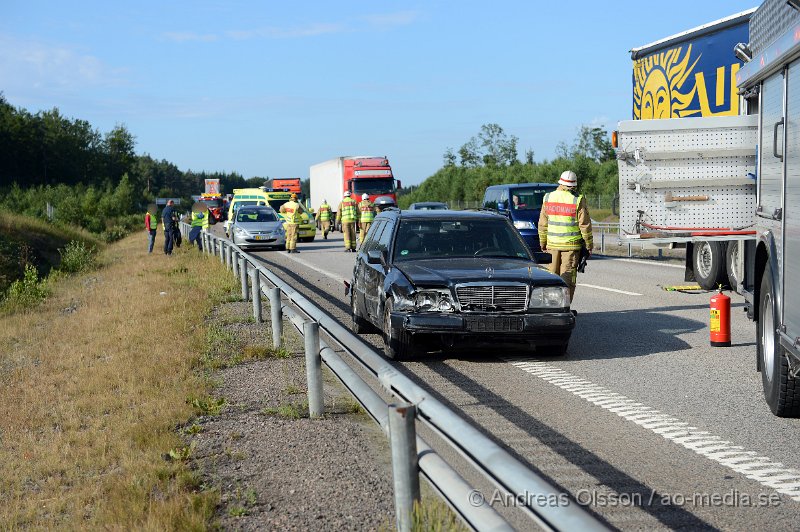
(347, 215)
(291, 216)
(324, 218)
(366, 213)
(564, 228)
(199, 223)
(151, 226)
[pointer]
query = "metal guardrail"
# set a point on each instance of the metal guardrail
(542, 502)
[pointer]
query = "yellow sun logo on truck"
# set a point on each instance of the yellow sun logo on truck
(664, 87)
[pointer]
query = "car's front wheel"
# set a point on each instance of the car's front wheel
(397, 343)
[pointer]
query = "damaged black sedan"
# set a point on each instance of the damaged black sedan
(442, 280)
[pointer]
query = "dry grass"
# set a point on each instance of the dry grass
(93, 386)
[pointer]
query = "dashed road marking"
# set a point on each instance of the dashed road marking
(759, 468)
(609, 289)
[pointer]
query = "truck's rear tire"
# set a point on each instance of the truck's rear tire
(708, 264)
(731, 264)
(781, 391)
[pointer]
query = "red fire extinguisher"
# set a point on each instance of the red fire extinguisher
(720, 320)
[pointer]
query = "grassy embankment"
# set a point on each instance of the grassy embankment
(29, 240)
(94, 383)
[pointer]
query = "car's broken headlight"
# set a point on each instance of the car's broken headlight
(433, 301)
(549, 297)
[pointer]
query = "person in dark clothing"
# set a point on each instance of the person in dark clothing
(168, 221)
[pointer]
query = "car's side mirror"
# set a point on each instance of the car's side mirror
(374, 257)
(542, 257)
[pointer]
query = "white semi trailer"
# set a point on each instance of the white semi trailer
(690, 182)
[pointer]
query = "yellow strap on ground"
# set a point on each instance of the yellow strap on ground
(682, 287)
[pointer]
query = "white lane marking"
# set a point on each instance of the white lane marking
(759, 468)
(609, 289)
(317, 269)
(648, 262)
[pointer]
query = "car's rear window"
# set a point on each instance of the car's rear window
(418, 239)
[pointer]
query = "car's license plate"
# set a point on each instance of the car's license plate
(259, 237)
(495, 324)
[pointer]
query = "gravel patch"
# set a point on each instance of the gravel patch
(276, 471)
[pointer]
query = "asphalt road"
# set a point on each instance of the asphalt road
(642, 420)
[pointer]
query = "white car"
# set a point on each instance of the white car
(257, 227)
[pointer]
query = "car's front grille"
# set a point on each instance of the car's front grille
(506, 298)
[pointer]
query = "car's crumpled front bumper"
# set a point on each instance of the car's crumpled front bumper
(549, 324)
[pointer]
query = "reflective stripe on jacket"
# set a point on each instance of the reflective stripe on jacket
(347, 211)
(324, 213)
(291, 212)
(367, 211)
(562, 230)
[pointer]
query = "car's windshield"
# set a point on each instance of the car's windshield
(421, 239)
(378, 185)
(430, 206)
(528, 199)
(255, 216)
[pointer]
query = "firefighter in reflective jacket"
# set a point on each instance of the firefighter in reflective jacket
(564, 228)
(291, 216)
(366, 213)
(324, 218)
(347, 215)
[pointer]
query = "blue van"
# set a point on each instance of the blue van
(522, 203)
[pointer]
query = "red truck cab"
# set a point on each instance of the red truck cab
(370, 175)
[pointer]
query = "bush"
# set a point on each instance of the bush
(26, 293)
(112, 234)
(77, 257)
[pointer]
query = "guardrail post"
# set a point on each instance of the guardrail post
(228, 255)
(405, 467)
(630, 251)
(243, 276)
(221, 252)
(602, 242)
(235, 263)
(277, 321)
(255, 281)
(316, 406)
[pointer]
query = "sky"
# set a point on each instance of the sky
(268, 88)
